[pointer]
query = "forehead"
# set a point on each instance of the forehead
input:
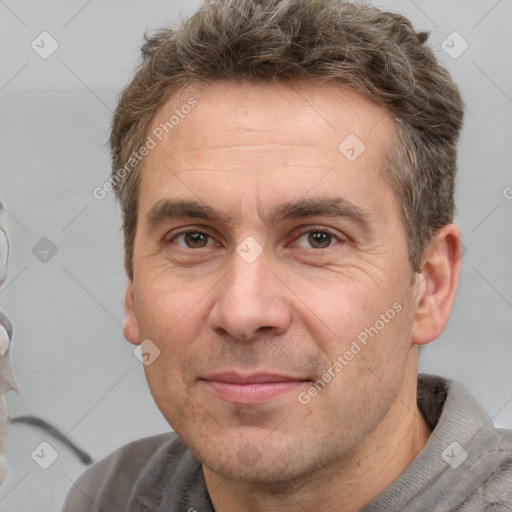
(320, 113)
(261, 138)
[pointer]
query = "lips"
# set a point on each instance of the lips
(251, 389)
(255, 378)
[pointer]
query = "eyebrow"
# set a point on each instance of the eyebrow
(171, 209)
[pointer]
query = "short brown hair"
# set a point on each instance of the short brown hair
(376, 53)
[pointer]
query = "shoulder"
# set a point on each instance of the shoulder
(495, 492)
(108, 484)
(498, 486)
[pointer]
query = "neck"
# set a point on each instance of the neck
(348, 485)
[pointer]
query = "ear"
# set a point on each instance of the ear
(437, 284)
(130, 325)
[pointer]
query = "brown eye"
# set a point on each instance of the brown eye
(192, 240)
(319, 239)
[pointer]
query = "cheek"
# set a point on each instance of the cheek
(165, 303)
(171, 315)
(342, 307)
(362, 320)
(367, 353)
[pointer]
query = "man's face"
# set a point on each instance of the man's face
(265, 252)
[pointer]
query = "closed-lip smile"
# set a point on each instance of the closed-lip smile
(251, 389)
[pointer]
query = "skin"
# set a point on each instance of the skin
(244, 150)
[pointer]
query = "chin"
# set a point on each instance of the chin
(264, 463)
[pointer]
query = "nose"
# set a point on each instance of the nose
(251, 300)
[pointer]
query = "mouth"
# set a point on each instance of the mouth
(253, 389)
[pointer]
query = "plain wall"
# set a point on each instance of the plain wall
(73, 367)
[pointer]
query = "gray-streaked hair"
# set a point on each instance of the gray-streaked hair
(376, 53)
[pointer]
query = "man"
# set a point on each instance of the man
(286, 175)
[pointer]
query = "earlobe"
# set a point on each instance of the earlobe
(436, 285)
(130, 324)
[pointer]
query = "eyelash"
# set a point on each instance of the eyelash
(310, 229)
(319, 229)
(187, 231)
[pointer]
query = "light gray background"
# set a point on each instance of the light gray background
(73, 366)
